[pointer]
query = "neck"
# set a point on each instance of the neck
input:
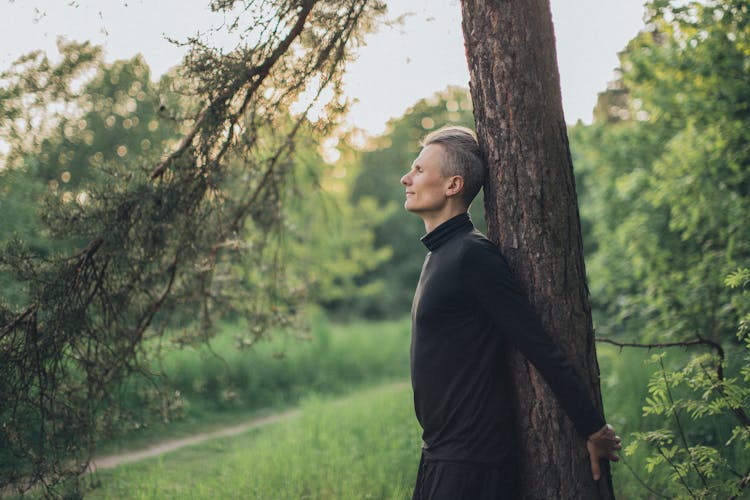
(433, 220)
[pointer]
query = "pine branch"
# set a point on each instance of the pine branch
(261, 72)
(152, 241)
(20, 318)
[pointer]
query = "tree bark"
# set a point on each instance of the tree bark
(532, 214)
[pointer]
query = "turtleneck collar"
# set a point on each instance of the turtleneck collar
(447, 230)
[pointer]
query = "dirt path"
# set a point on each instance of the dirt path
(110, 461)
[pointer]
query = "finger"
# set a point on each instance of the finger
(613, 439)
(607, 442)
(595, 470)
(612, 447)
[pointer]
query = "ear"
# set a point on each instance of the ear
(455, 185)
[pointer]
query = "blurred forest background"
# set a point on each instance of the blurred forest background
(317, 300)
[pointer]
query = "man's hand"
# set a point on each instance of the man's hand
(602, 444)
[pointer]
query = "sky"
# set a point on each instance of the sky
(397, 67)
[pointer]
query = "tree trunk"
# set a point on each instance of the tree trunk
(532, 214)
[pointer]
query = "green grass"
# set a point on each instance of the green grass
(362, 446)
(219, 384)
(333, 350)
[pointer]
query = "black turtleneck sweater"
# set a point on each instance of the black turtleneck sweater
(467, 308)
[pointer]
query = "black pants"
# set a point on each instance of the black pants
(448, 480)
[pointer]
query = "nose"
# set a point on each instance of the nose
(406, 180)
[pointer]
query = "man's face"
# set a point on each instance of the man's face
(426, 187)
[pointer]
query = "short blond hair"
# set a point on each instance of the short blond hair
(462, 156)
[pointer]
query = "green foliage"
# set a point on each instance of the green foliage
(223, 378)
(57, 169)
(704, 448)
(664, 175)
(365, 446)
(330, 240)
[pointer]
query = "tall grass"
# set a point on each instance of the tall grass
(288, 366)
(219, 383)
(362, 446)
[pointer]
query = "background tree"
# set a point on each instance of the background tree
(113, 116)
(330, 241)
(532, 214)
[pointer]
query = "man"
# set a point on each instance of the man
(467, 310)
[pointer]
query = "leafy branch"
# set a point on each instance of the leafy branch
(732, 394)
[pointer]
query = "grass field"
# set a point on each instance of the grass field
(362, 446)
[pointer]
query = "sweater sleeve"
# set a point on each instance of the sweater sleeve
(493, 286)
